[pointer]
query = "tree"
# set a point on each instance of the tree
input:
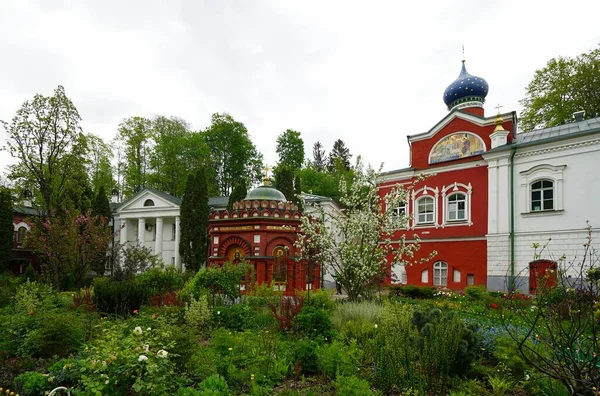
(46, 138)
(194, 221)
(6, 227)
(100, 168)
(70, 244)
(101, 205)
(319, 158)
(354, 246)
(290, 148)
(240, 190)
(284, 181)
(339, 153)
(233, 155)
(135, 139)
(565, 85)
(297, 198)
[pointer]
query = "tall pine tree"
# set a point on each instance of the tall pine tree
(319, 157)
(240, 190)
(194, 221)
(6, 227)
(101, 206)
(284, 181)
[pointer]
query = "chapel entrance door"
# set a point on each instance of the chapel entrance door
(542, 275)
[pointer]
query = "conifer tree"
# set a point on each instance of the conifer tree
(194, 221)
(240, 190)
(284, 181)
(101, 206)
(6, 227)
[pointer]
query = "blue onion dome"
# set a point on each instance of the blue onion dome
(466, 88)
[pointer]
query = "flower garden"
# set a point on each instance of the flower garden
(165, 333)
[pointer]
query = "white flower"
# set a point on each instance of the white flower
(526, 377)
(137, 330)
(107, 382)
(146, 348)
(148, 329)
(218, 312)
(142, 358)
(375, 325)
(162, 354)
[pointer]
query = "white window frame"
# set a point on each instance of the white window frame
(439, 268)
(398, 211)
(452, 200)
(427, 213)
(452, 190)
(416, 196)
(553, 173)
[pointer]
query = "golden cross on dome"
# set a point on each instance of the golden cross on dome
(266, 178)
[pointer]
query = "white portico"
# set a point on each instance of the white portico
(150, 218)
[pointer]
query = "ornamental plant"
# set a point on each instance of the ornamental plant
(354, 246)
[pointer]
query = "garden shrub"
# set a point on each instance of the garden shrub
(63, 372)
(237, 317)
(305, 357)
(197, 314)
(202, 362)
(289, 307)
(224, 281)
(320, 299)
(117, 297)
(418, 292)
(507, 353)
(30, 273)
(475, 292)
(9, 287)
(313, 323)
(160, 284)
(262, 295)
(33, 295)
(338, 358)
(469, 388)
(353, 386)
(51, 333)
(362, 312)
(32, 383)
(215, 385)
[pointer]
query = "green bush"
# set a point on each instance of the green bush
(197, 314)
(9, 287)
(30, 273)
(52, 333)
(238, 317)
(305, 357)
(362, 312)
(475, 292)
(353, 386)
(118, 297)
(31, 296)
(313, 323)
(32, 383)
(158, 280)
(338, 358)
(224, 281)
(418, 292)
(320, 299)
(215, 385)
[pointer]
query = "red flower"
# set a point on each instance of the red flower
(494, 305)
(31, 312)
(135, 311)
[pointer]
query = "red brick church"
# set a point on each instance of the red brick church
(449, 209)
(261, 230)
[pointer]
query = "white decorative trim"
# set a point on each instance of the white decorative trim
(21, 224)
(522, 154)
(455, 188)
(457, 114)
(415, 197)
(543, 172)
(431, 170)
(465, 105)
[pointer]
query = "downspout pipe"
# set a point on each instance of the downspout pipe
(511, 285)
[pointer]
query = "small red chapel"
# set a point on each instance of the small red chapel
(448, 210)
(261, 230)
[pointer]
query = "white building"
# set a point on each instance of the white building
(544, 185)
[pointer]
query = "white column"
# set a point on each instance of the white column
(141, 230)
(158, 244)
(177, 233)
(123, 232)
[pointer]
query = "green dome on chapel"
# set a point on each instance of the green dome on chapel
(267, 193)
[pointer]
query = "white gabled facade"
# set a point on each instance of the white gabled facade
(555, 188)
(150, 218)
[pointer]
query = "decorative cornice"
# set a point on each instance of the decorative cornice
(522, 154)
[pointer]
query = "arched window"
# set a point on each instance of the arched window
(21, 235)
(425, 210)
(149, 202)
(440, 273)
(457, 207)
(542, 195)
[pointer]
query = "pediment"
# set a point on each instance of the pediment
(477, 122)
(149, 200)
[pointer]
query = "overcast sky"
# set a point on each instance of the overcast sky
(369, 73)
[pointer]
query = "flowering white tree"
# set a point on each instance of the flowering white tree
(354, 245)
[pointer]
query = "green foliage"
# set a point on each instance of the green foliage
(224, 280)
(9, 288)
(320, 183)
(101, 206)
(240, 190)
(362, 312)
(475, 292)
(30, 273)
(6, 227)
(338, 358)
(32, 383)
(137, 259)
(340, 153)
(194, 221)
(319, 158)
(160, 279)
(233, 155)
(197, 313)
(215, 385)
(290, 149)
(320, 299)
(134, 140)
(565, 85)
(353, 386)
(284, 182)
(305, 357)
(46, 139)
(118, 297)
(236, 317)
(507, 354)
(420, 292)
(313, 323)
